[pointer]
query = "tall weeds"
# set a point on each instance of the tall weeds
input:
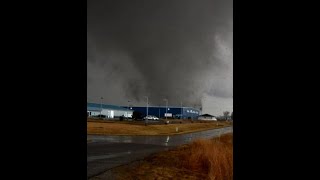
(213, 157)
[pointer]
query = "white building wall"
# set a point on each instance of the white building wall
(112, 113)
(108, 113)
(116, 113)
(124, 113)
(128, 114)
(94, 113)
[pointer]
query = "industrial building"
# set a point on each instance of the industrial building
(171, 112)
(110, 111)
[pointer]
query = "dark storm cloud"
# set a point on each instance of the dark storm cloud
(178, 49)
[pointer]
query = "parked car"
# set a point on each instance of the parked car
(150, 117)
(100, 116)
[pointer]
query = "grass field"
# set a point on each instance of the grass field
(210, 159)
(131, 128)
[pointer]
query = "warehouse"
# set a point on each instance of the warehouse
(110, 111)
(172, 112)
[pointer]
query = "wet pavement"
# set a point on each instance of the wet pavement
(106, 152)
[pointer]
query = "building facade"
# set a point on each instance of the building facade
(171, 112)
(110, 111)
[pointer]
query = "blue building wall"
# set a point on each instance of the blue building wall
(187, 112)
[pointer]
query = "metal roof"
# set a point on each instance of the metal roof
(163, 107)
(93, 109)
(97, 107)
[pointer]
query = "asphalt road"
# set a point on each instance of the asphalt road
(107, 152)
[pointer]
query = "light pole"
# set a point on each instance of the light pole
(166, 100)
(181, 111)
(128, 111)
(147, 110)
(159, 112)
(101, 107)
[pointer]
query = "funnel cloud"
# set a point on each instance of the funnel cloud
(181, 50)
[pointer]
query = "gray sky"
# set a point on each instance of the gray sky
(176, 49)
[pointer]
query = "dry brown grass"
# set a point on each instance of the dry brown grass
(113, 128)
(213, 157)
(202, 159)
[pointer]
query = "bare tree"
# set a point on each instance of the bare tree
(226, 114)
